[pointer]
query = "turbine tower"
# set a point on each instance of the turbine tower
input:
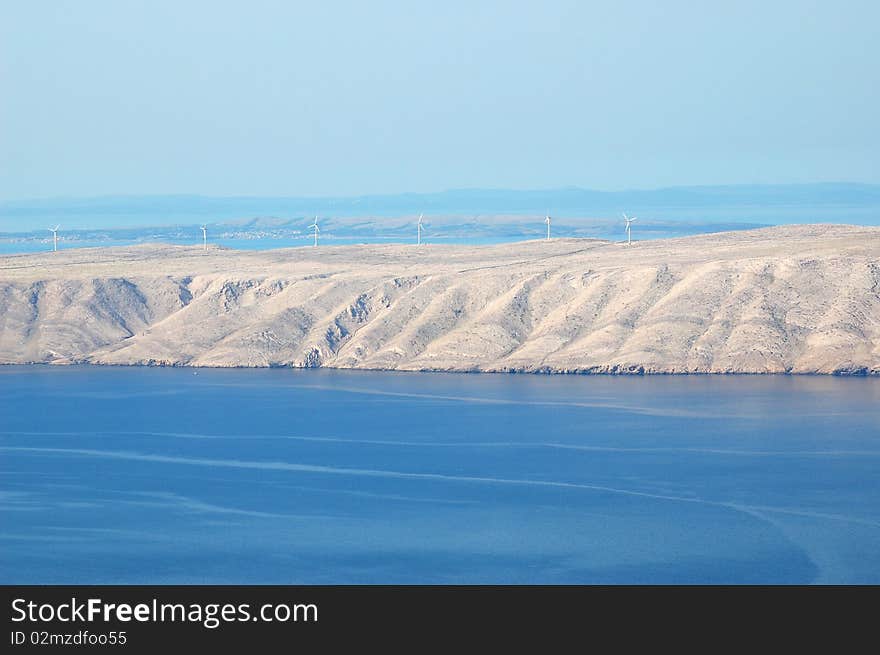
(628, 221)
(419, 238)
(205, 236)
(54, 231)
(314, 226)
(547, 221)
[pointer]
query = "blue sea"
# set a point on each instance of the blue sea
(35, 246)
(174, 475)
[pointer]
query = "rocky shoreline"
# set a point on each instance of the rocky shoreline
(788, 300)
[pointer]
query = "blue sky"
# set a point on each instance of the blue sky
(346, 98)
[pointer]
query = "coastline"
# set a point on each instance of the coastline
(613, 372)
(796, 300)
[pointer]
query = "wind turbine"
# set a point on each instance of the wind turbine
(628, 221)
(547, 221)
(315, 228)
(205, 236)
(419, 238)
(54, 231)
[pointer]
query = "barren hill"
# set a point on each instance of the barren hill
(803, 299)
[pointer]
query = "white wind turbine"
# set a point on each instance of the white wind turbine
(54, 231)
(205, 236)
(419, 226)
(547, 221)
(628, 221)
(314, 226)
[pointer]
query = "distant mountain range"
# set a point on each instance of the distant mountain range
(486, 214)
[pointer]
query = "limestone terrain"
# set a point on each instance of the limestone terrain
(797, 299)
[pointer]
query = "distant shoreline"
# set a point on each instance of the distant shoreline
(537, 373)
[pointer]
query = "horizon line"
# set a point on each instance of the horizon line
(450, 190)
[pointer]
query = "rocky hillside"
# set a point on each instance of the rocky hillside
(802, 299)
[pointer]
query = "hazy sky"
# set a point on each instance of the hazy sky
(342, 98)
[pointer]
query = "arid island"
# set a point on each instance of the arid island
(798, 299)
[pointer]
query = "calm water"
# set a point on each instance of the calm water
(114, 475)
(23, 247)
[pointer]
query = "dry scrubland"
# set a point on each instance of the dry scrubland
(802, 299)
